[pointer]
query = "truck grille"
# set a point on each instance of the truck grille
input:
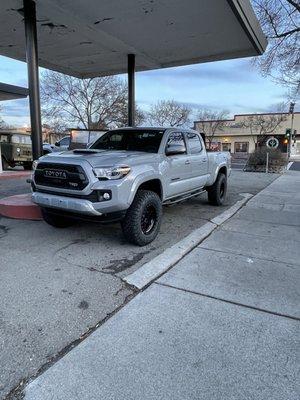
(63, 176)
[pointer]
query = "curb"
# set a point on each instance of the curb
(20, 207)
(151, 270)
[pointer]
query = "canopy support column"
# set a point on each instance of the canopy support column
(33, 77)
(131, 89)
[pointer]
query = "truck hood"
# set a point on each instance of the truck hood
(102, 158)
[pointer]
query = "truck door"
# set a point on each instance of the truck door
(198, 159)
(179, 165)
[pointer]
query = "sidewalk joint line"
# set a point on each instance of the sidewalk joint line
(230, 301)
(267, 222)
(252, 234)
(287, 264)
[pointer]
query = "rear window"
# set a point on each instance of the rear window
(194, 143)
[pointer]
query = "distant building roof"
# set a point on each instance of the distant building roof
(243, 115)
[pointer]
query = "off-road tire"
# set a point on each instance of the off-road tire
(134, 225)
(217, 192)
(58, 221)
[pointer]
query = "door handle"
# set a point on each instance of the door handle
(187, 162)
(204, 160)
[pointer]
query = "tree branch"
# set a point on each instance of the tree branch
(294, 4)
(284, 34)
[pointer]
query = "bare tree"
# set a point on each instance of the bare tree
(211, 121)
(280, 20)
(169, 113)
(262, 125)
(96, 103)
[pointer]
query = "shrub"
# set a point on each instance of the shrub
(259, 157)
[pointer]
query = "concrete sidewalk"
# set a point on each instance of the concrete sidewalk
(222, 324)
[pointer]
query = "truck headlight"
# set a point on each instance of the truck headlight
(34, 164)
(117, 172)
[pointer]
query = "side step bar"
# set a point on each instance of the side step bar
(183, 197)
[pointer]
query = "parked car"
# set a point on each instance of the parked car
(61, 145)
(15, 150)
(47, 148)
(127, 175)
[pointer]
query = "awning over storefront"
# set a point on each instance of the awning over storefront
(10, 92)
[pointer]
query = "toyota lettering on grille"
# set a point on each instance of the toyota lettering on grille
(55, 173)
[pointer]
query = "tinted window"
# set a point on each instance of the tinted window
(130, 140)
(3, 138)
(194, 143)
(65, 141)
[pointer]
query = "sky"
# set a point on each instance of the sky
(233, 85)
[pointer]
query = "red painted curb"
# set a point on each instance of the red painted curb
(14, 174)
(20, 207)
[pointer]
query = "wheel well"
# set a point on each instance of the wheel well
(223, 170)
(154, 185)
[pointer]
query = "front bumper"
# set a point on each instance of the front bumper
(79, 206)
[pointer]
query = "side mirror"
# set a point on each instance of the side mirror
(57, 144)
(173, 149)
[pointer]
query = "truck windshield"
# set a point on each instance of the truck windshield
(21, 139)
(130, 140)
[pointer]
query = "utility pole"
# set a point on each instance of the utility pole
(291, 111)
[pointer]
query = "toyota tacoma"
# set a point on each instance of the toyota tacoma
(127, 175)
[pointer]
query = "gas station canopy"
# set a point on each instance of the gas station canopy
(10, 92)
(93, 37)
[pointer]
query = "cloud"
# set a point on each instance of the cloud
(15, 108)
(222, 71)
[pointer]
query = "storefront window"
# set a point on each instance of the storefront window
(241, 147)
(226, 147)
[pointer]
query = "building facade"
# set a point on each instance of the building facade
(242, 134)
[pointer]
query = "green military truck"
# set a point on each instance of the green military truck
(15, 150)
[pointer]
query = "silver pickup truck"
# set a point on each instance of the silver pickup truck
(127, 175)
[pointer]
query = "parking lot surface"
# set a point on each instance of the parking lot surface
(56, 285)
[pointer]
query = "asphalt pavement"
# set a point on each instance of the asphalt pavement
(59, 285)
(223, 323)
